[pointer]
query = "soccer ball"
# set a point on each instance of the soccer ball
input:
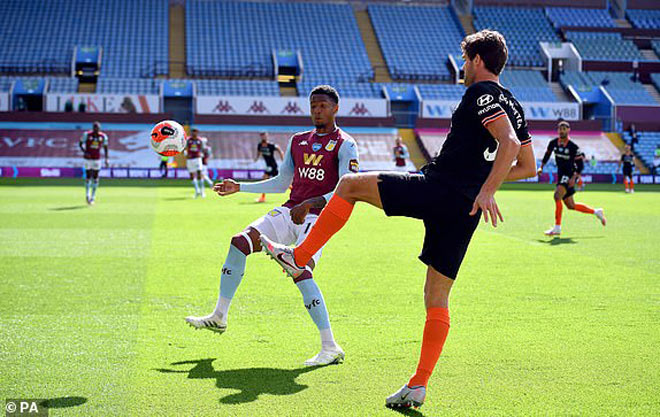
(168, 138)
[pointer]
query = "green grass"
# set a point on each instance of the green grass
(93, 301)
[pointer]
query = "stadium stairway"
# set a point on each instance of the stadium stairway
(416, 155)
(653, 92)
(288, 91)
(559, 92)
(177, 41)
(618, 141)
(467, 22)
(86, 87)
(649, 54)
(381, 74)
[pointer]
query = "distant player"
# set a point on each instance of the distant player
(194, 150)
(207, 153)
(267, 150)
(314, 161)
(400, 152)
(570, 161)
(628, 162)
(488, 132)
(91, 143)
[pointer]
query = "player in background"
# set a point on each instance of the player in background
(207, 153)
(488, 132)
(400, 152)
(582, 158)
(91, 143)
(267, 150)
(314, 161)
(193, 151)
(628, 162)
(163, 165)
(568, 158)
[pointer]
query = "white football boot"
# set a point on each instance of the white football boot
(555, 231)
(407, 397)
(283, 255)
(327, 357)
(212, 322)
(600, 213)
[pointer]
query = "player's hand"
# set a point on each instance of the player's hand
(226, 187)
(572, 181)
(486, 202)
(107, 163)
(299, 212)
(539, 171)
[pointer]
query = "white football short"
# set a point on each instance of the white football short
(194, 165)
(278, 226)
(94, 164)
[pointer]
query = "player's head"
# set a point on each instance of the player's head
(563, 128)
(264, 136)
(628, 149)
(323, 104)
(397, 141)
(194, 132)
(96, 127)
(484, 53)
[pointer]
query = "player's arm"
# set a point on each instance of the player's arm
(525, 165)
(256, 157)
(278, 184)
(105, 148)
(405, 154)
(348, 162)
(81, 142)
(546, 156)
(509, 147)
(279, 151)
(620, 162)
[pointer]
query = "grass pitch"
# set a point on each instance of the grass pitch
(93, 301)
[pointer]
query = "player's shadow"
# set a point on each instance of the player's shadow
(407, 411)
(63, 402)
(566, 240)
(68, 208)
(250, 382)
(176, 198)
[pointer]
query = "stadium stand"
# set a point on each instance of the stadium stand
(417, 40)
(645, 149)
(124, 86)
(528, 85)
(344, 88)
(441, 91)
(655, 45)
(39, 36)
(620, 86)
(238, 38)
(237, 88)
(644, 19)
(604, 46)
(55, 84)
(571, 16)
(523, 28)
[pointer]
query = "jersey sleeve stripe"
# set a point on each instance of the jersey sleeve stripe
(525, 143)
(492, 118)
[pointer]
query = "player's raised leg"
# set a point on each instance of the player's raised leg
(436, 328)
(350, 189)
(583, 208)
(242, 245)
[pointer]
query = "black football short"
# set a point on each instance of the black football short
(627, 171)
(272, 170)
(445, 212)
(563, 180)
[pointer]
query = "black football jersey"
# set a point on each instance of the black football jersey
(565, 156)
(268, 152)
(467, 155)
(628, 161)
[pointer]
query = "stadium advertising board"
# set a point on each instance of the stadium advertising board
(285, 106)
(4, 101)
(443, 109)
(104, 103)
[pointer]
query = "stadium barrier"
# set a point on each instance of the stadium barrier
(4, 101)
(285, 106)
(443, 109)
(105, 103)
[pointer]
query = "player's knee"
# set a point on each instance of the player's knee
(243, 242)
(347, 185)
(569, 205)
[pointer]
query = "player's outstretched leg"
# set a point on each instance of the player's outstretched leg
(583, 208)
(350, 189)
(436, 328)
(331, 352)
(232, 274)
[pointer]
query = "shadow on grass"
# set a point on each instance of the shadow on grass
(251, 382)
(82, 206)
(567, 240)
(176, 198)
(63, 402)
(407, 411)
